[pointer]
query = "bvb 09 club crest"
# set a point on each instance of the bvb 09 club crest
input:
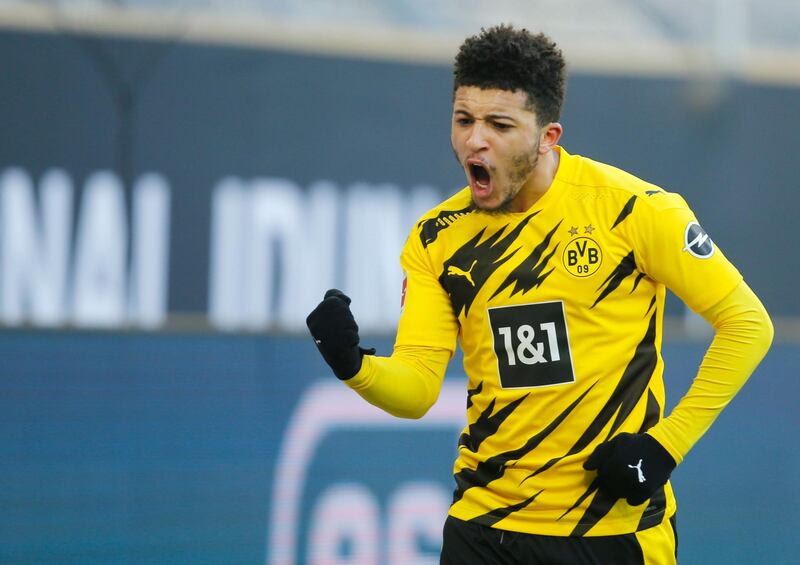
(582, 257)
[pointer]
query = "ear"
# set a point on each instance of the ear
(549, 136)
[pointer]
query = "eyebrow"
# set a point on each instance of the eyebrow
(491, 115)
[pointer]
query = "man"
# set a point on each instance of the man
(550, 270)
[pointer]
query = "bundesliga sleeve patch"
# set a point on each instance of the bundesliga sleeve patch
(697, 242)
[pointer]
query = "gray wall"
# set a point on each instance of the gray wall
(196, 114)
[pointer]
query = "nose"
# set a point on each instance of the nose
(477, 140)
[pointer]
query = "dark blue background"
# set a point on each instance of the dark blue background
(144, 448)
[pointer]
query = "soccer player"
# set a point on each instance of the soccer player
(550, 271)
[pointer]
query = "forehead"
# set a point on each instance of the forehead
(489, 100)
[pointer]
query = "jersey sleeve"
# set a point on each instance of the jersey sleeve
(671, 247)
(408, 383)
(427, 319)
(743, 334)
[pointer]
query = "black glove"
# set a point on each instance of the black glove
(631, 466)
(335, 332)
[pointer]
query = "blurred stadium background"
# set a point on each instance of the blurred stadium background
(180, 181)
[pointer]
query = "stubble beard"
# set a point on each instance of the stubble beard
(522, 167)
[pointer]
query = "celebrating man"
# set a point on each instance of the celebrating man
(550, 271)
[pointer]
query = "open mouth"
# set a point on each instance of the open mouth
(480, 175)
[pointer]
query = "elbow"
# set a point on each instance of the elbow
(762, 327)
(411, 412)
(745, 320)
(767, 329)
(409, 415)
(757, 329)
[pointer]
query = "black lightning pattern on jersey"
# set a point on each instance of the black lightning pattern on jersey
(654, 512)
(626, 211)
(599, 507)
(487, 424)
(641, 365)
(651, 516)
(465, 273)
(472, 392)
(622, 401)
(589, 491)
(494, 467)
(652, 413)
(528, 274)
(429, 229)
(494, 516)
(652, 303)
(639, 278)
(633, 384)
(619, 274)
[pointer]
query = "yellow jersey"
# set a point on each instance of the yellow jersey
(558, 311)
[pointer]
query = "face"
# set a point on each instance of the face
(496, 139)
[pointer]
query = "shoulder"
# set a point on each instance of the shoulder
(441, 217)
(612, 183)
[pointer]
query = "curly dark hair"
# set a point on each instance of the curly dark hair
(510, 59)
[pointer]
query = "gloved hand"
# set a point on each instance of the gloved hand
(631, 466)
(335, 332)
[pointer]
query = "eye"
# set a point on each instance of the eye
(463, 121)
(502, 125)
